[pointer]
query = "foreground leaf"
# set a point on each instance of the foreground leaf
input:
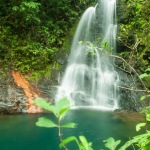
(45, 122)
(142, 141)
(68, 140)
(147, 116)
(63, 113)
(126, 145)
(85, 144)
(138, 126)
(148, 69)
(144, 75)
(111, 144)
(44, 104)
(69, 125)
(142, 98)
(62, 107)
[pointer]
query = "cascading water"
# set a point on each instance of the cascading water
(90, 78)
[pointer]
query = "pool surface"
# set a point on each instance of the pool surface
(19, 132)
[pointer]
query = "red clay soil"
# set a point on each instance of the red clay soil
(30, 92)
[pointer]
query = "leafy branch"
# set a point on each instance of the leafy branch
(60, 110)
(130, 70)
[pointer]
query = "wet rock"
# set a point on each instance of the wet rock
(131, 88)
(12, 98)
(18, 97)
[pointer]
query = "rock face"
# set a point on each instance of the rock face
(131, 88)
(17, 94)
(12, 97)
(30, 91)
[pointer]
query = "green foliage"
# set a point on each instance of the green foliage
(111, 144)
(141, 141)
(146, 74)
(32, 32)
(28, 11)
(82, 142)
(106, 47)
(60, 110)
(146, 79)
(146, 110)
(44, 122)
(138, 126)
(134, 26)
(91, 48)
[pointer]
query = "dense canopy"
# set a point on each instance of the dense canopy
(33, 31)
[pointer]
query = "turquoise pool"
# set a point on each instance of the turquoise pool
(18, 132)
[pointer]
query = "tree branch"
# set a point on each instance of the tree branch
(115, 56)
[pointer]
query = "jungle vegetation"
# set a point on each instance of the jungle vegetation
(33, 31)
(134, 32)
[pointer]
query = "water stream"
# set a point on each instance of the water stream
(90, 78)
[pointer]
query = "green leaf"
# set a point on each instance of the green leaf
(148, 69)
(62, 106)
(144, 75)
(15, 8)
(63, 113)
(68, 140)
(126, 145)
(138, 126)
(140, 140)
(44, 104)
(45, 122)
(81, 42)
(69, 125)
(85, 144)
(147, 116)
(142, 98)
(111, 144)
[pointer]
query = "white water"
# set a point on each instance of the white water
(90, 78)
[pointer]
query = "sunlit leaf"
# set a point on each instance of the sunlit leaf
(81, 42)
(148, 69)
(69, 125)
(140, 140)
(62, 106)
(68, 140)
(144, 75)
(111, 143)
(45, 122)
(85, 144)
(63, 113)
(147, 116)
(126, 145)
(142, 98)
(44, 104)
(139, 126)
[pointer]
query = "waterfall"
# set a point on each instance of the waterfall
(90, 78)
